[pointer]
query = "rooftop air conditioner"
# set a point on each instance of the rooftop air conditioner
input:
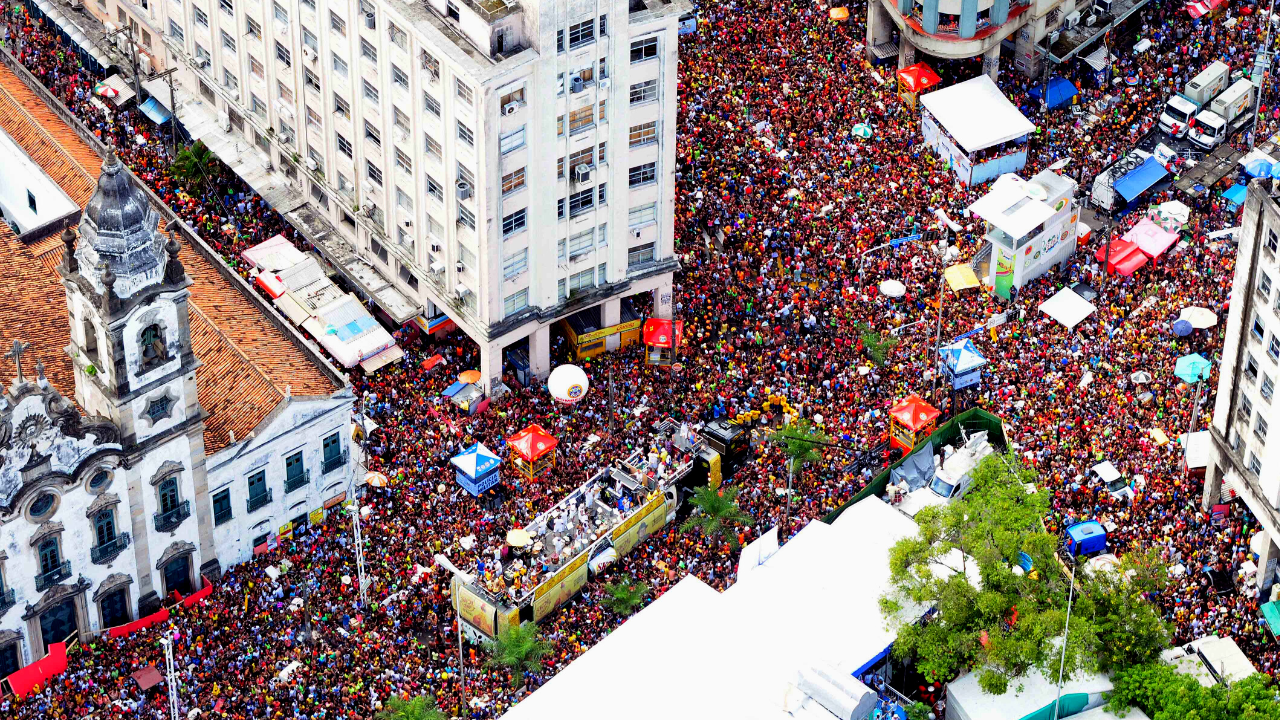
(460, 267)
(462, 291)
(312, 165)
(1102, 5)
(202, 63)
(635, 234)
(224, 122)
(144, 62)
(408, 223)
(582, 174)
(75, 4)
(464, 190)
(576, 84)
(510, 108)
(435, 247)
(1053, 36)
(604, 83)
(308, 54)
(1073, 19)
(437, 267)
(370, 21)
(1090, 20)
(265, 157)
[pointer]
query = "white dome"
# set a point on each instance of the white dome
(568, 384)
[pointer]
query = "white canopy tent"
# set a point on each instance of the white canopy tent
(977, 114)
(1009, 207)
(1200, 451)
(1067, 308)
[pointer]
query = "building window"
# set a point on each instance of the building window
(432, 147)
(1264, 284)
(466, 257)
(513, 181)
(158, 409)
(151, 347)
(430, 104)
(317, 193)
(1272, 241)
(368, 51)
(582, 33)
(642, 215)
(464, 92)
(582, 280)
(227, 7)
(644, 92)
(1267, 388)
(1255, 465)
(434, 189)
(515, 263)
(559, 126)
(404, 162)
(310, 40)
(408, 278)
(42, 506)
(228, 42)
(560, 41)
(403, 199)
(50, 556)
(602, 153)
(602, 196)
(513, 223)
(465, 134)
(516, 302)
(465, 175)
(514, 97)
(283, 55)
(466, 217)
(1258, 330)
(646, 49)
(373, 172)
(560, 209)
(430, 64)
(643, 174)
(399, 77)
(513, 140)
(258, 490)
(1273, 350)
(639, 255)
(644, 134)
(370, 92)
(339, 66)
(583, 157)
(1245, 411)
(580, 244)
(201, 18)
(372, 133)
(168, 495)
(379, 251)
(175, 31)
(398, 37)
(251, 27)
(602, 115)
(581, 119)
(1250, 367)
(310, 80)
(1260, 429)
(337, 24)
(581, 202)
(342, 107)
(284, 92)
(104, 528)
(229, 80)
(221, 507)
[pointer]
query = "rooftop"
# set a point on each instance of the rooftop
(247, 361)
(31, 203)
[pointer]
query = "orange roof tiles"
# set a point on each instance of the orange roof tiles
(248, 362)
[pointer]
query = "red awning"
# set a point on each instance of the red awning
(532, 443)
(39, 672)
(136, 625)
(914, 413)
(659, 333)
(148, 677)
(918, 77)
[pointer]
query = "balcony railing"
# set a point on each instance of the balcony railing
(168, 521)
(300, 480)
(54, 576)
(6, 599)
(333, 463)
(106, 552)
(257, 501)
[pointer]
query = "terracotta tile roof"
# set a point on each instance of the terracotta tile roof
(248, 362)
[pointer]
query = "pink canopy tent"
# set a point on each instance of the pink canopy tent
(1151, 238)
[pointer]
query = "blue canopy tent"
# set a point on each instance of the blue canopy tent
(159, 115)
(1235, 196)
(454, 389)
(477, 469)
(1140, 180)
(964, 363)
(1061, 92)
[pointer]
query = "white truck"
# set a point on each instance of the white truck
(951, 476)
(1226, 114)
(1182, 108)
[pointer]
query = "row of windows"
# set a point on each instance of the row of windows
(295, 476)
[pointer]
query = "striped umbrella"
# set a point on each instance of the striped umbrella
(862, 130)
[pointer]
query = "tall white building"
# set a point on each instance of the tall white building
(1245, 462)
(505, 164)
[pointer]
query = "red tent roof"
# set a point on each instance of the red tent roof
(913, 412)
(532, 443)
(659, 333)
(918, 77)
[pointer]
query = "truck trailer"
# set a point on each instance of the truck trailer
(1226, 114)
(1180, 110)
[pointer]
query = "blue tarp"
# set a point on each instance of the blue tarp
(154, 110)
(1061, 91)
(1235, 195)
(355, 328)
(454, 389)
(1139, 181)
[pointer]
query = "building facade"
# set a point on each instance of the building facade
(504, 164)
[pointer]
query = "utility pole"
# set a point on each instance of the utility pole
(1066, 629)
(173, 109)
(133, 56)
(355, 516)
(1266, 73)
(462, 667)
(171, 677)
(937, 337)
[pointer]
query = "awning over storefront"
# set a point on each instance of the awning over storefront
(154, 110)
(1097, 59)
(158, 89)
(382, 359)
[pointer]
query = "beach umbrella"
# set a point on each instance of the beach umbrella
(1192, 368)
(1182, 328)
(1275, 170)
(518, 538)
(1140, 377)
(104, 90)
(376, 479)
(862, 130)
(1199, 317)
(469, 376)
(1258, 168)
(893, 289)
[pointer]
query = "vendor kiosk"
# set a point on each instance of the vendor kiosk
(477, 469)
(974, 127)
(533, 450)
(1031, 226)
(587, 338)
(661, 340)
(914, 81)
(911, 422)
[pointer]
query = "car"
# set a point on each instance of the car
(1107, 474)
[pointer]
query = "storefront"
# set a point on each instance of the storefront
(586, 337)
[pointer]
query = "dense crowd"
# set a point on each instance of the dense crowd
(780, 213)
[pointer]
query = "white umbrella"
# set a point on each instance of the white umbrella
(1175, 210)
(1199, 317)
(893, 289)
(1141, 377)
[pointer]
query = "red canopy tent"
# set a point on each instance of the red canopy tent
(1131, 263)
(533, 450)
(39, 672)
(1121, 250)
(910, 422)
(662, 337)
(916, 79)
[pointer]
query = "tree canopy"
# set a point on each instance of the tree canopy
(1165, 694)
(992, 617)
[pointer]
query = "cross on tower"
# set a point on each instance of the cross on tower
(15, 355)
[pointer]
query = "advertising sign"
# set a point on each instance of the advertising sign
(562, 586)
(317, 516)
(1004, 271)
(651, 517)
(508, 620)
(473, 609)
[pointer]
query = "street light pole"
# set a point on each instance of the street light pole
(171, 677)
(937, 338)
(355, 517)
(1066, 628)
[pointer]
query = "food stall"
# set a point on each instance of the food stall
(662, 340)
(477, 469)
(914, 81)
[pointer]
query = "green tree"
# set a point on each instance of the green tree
(518, 649)
(995, 618)
(800, 442)
(422, 707)
(1165, 694)
(624, 596)
(876, 343)
(716, 514)
(194, 165)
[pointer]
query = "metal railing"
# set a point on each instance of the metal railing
(257, 501)
(106, 552)
(167, 521)
(7, 599)
(300, 480)
(333, 463)
(54, 576)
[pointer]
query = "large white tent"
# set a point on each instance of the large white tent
(695, 653)
(1067, 307)
(977, 114)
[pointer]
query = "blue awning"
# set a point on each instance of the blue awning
(1139, 181)
(1235, 195)
(154, 110)
(454, 389)
(1061, 91)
